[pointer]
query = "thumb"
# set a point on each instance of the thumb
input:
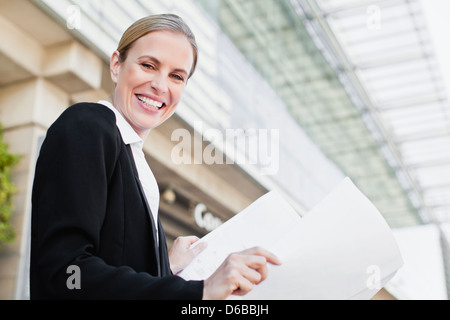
(199, 248)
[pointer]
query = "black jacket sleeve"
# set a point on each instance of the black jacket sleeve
(69, 202)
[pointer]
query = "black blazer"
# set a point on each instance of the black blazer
(89, 210)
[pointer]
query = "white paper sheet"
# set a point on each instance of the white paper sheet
(341, 249)
(262, 223)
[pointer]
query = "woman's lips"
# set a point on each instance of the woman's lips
(150, 104)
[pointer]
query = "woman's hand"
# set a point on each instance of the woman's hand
(238, 273)
(181, 253)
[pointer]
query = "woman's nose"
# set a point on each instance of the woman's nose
(159, 84)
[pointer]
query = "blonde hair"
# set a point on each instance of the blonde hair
(160, 22)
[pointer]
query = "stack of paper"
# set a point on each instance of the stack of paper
(341, 249)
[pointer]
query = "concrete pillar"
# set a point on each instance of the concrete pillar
(72, 67)
(43, 70)
(26, 110)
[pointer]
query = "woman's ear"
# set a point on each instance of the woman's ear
(114, 66)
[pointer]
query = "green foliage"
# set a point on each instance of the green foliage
(7, 189)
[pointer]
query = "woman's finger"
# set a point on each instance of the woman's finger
(199, 248)
(270, 257)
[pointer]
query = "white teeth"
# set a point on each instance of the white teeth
(149, 102)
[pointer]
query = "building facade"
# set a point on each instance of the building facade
(56, 53)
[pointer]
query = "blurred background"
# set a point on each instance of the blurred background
(355, 88)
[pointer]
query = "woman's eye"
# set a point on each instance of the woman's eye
(147, 66)
(177, 77)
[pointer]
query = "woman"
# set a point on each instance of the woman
(96, 233)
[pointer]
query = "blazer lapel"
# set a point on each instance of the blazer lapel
(149, 212)
(163, 252)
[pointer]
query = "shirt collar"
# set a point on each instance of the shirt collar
(129, 136)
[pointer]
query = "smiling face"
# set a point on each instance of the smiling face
(151, 80)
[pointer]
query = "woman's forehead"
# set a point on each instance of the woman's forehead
(166, 47)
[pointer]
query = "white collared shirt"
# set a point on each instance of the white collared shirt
(148, 181)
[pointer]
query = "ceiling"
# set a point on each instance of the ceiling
(362, 79)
